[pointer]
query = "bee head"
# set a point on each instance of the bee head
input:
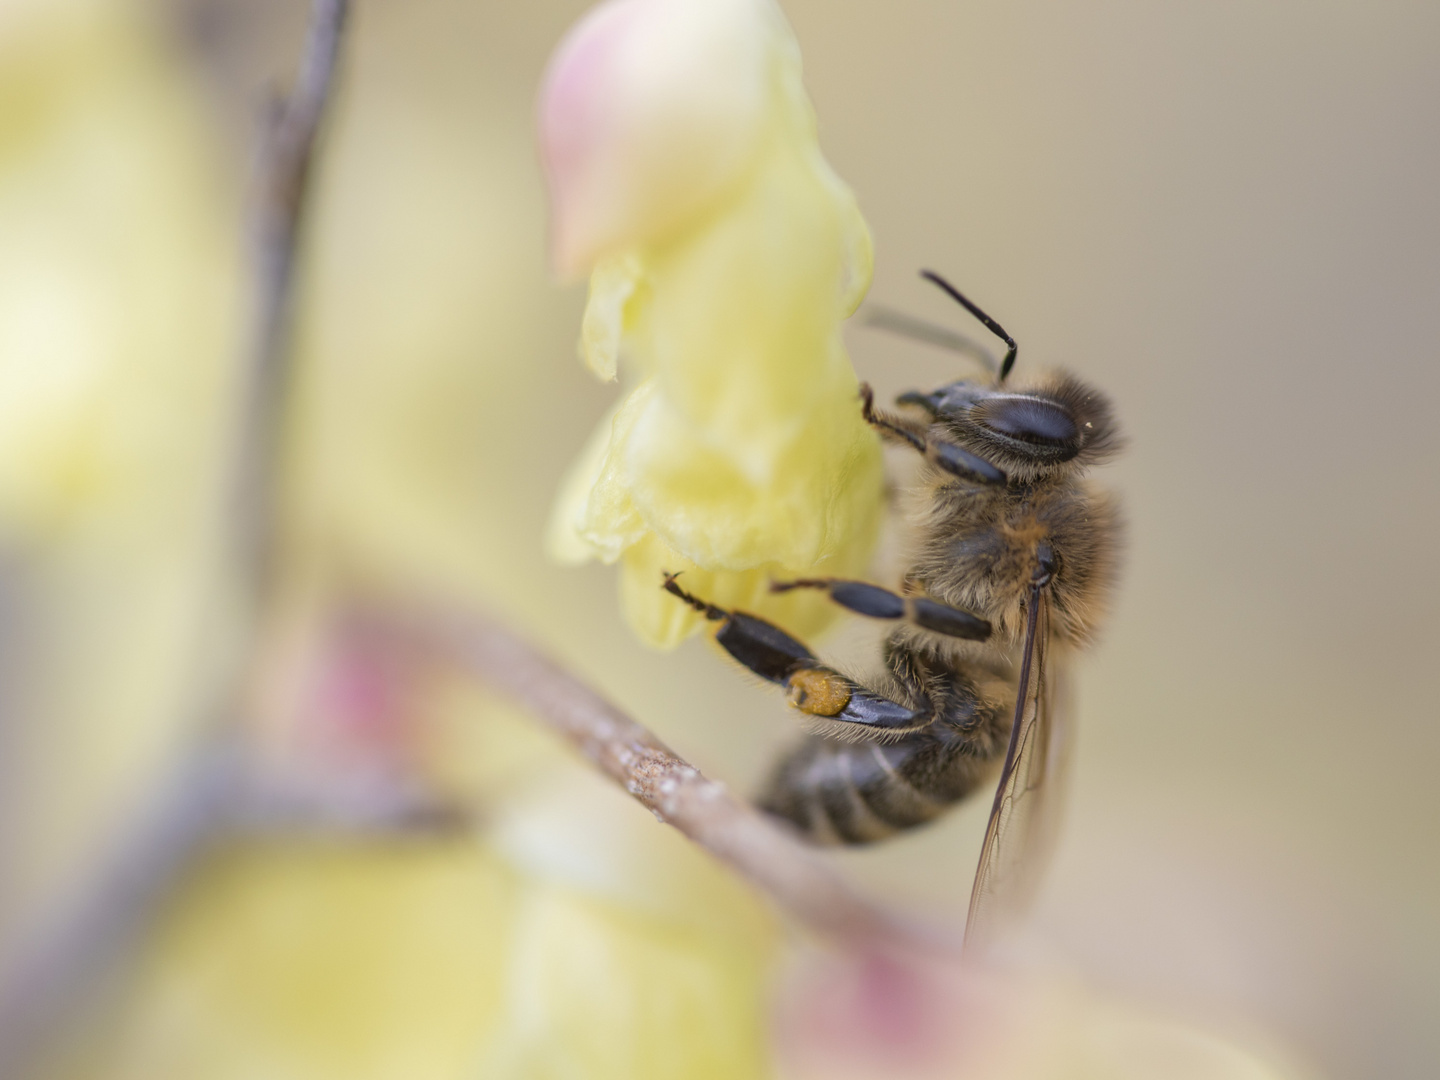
(1026, 431)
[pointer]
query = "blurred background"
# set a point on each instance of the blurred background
(1224, 214)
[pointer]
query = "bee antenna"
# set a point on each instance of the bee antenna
(897, 322)
(990, 324)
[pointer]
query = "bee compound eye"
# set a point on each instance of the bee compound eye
(1029, 420)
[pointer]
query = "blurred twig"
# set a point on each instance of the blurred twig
(286, 157)
(64, 961)
(796, 877)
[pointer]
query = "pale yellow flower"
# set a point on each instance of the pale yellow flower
(115, 291)
(118, 317)
(686, 175)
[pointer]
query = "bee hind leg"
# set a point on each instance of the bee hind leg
(813, 688)
(765, 649)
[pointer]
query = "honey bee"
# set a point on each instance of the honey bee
(1012, 557)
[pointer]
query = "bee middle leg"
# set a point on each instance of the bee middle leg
(879, 603)
(813, 688)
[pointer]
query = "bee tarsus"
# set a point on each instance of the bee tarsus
(940, 452)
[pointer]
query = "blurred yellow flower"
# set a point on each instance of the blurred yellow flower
(116, 296)
(685, 173)
(118, 317)
(860, 1017)
(611, 949)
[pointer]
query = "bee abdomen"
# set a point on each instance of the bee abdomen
(856, 793)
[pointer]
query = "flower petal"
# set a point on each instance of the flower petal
(612, 286)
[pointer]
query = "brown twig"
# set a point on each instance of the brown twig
(798, 879)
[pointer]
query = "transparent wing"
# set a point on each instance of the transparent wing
(1025, 817)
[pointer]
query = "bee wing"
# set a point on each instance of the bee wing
(1025, 816)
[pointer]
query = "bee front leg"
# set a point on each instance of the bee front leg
(944, 455)
(813, 688)
(871, 600)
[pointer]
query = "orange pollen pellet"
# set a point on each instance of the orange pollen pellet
(819, 693)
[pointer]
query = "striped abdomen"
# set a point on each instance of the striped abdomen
(857, 792)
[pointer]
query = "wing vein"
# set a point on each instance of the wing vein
(1020, 828)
